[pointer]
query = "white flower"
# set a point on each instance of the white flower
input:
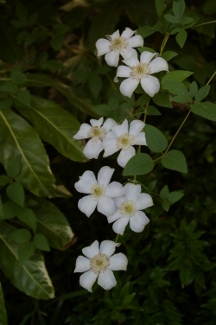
(128, 209)
(116, 45)
(100, 192)
(141, 71)
(96, 132)
(99, 263)
(119, 138)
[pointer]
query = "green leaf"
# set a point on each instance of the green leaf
(175, 196)
(140, 164)
(4, 180)
(6, 103)
(35, 173)
(31, 277)
(25, 251)
(21, 236)
(24, 97)
(17, 76)
(53, 225)
(146, 31)
(164, 193)
(10, 209)
(177, 75)
(27, 216)
(178, 8)
(202, 93)
(3, 314)
(160, 7)
(15, 192)
(56, 126)
(9, 87)
(172, 19)
(186, 274)
(162, 99)
(193, 89)
(169, 55)
(155, 139)
(206, 110)
(175, 160)
(14, 167)
(41, 242)
(179, 89)
(181, 37)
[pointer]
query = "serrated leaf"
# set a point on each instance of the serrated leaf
(175, 160)
(15, 192)
(140, 164)
(202, 93)
(206, 110)
(21, 236)
(162, 99)
(41, 242)
(56, 126)
(35, 173)
(181, 37)
(3, 313)
(155, 139)
(31, 277)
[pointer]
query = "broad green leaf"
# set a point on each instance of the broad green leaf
(31, 277)
(193, 89)
(206, 110)
(15, 192)
(21, 236)
(53, 225)
(169, 55)
(175, 196)
(202, 93)
(164, 193)
(146, 31)
(25, 251)
(186, 274)
(175, 160)
(181, 37)
(162, 99)
(178, 8)
(172, 19)
(179, 89)
(140, 164)
(160, 7)
(41, 242)
(18, 138)
(24, 97)
(177, 75)
(10, 209)
(3, 313)
(155, 139)
(6, 103)
(56, 126)
(14, 167)
(27, 216)
(17, 76)
(4, 180)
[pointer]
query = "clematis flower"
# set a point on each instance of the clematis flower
(100, 263)
(128, 209)
(100, 191)
(120, 138)
(141, 72)
(115, 45)
(96, 132)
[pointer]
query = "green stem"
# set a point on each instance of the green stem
(206, 23)
(117, 238)
(163, 44)
(211, 78)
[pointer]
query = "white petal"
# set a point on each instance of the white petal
(97, 123)
(127, 33)
(82, 264)
(136, 127)
(127, 53)
(120, 129)
(157, 65)
(120, 224)
(115, 216)
(132, 191)
(87, 280)
(93, 148)
(83, 132)
(140, 139)
(108, 124)
(109, 147)
(118, 262)
(138, 221)
(114, 189)
(86, 181)
(150, 85)
(146, 57)
(105, 175)
(112, 58)
(128, 86)
(92, 250)
(135, 41)
(106, 206)
(107, 280)
(108, 247)
(123, 71)
(103, 46)
(144, 201)
(132, 60)
(114, 35)
(118, 201)
(125, 156)
(87, 205)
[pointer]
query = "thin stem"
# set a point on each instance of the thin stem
(163, 44)
(206, 23)
(117, 238)
(211, 78)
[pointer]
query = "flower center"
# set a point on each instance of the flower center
(97, 133)
(139, 71)
(124, 141)
(97, 191)
(127, 208)
(99, 263)
(118, 43)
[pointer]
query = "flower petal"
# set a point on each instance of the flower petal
(82, 264)
(138, 221)
(120, 224)
(106, 206)
(135, 41)
(105, 175)
(118, 262)
(87, 205)
(146, 57)
(97, 123)
(109, 146)
(123, 71)
(120, 129)
(128, 86)
(83, 132)
(125, 156)
(112, 58)
(92, 250)
(127, 33)
(140, 139)
(107, 280)
(132, 191)
(108, 124)
(85, 182)
(136, 127)
(93, 148)
(87, 280)
(118, 201)
(108, 247)
(114, 35)
(150, 85)
(103, 46)
(115, 216)
(114, 189)
(132, 60)
(157, 65)
(144, 201)
(127, 53)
